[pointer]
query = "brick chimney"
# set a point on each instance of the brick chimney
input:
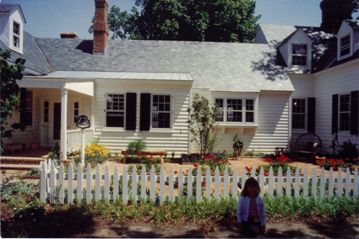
(68, 35)
(100, 27)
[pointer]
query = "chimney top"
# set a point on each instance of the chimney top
(100, 27)
(68, 35)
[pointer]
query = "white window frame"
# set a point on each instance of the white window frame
(17, 35)
(243, 110)
(300, 55)
(344, 47)
(343, 112)
(240, 110)
(250, 111)
(305, 114)
(78, 110)
(124, 111)
(152, 111)
(223, 109)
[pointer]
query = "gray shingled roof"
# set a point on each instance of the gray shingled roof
(36, 62)
(217, 66)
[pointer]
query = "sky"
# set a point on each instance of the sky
(47, 18)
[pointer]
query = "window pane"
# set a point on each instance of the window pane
(234, 116)
(249, 116)
(345, 102)
(234, 104)
(16, 28)
(344, 121)
(28, 113)
(16, 41)
(114, 119)
(298, 105)
(161, 111)
(298, 121)
(299, 54)
(300, 49)
(46, 111)
(249, 105)
(345, 45)
(219, 107)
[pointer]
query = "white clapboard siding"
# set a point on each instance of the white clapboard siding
(134, 186)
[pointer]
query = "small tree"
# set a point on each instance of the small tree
(9, 92)
(202, 118)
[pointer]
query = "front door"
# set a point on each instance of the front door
(57, 121)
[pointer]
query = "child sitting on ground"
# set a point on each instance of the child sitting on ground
(251, 214)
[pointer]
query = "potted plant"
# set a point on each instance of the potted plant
(237, 146)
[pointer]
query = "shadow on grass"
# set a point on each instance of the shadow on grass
(154, 232)
(36, 222)
(339, 229)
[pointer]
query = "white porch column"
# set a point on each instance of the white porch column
(63, 139)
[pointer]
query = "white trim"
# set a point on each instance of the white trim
(300, 130)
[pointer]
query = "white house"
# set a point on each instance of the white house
(291, 80)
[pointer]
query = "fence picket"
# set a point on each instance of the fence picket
(243, 178)
(88, 184)
(180, 182)
(152, 184)
(216, 183)
(347, 183)
(314, 183)
(331, 182)
(280, 182)
(115, 184)
(199, 185)
(61, 184)
(322, 184)
(339, 191)
(162, 185)
(296, 183)
(106, 195)
(253, 173)
(97, 184)
(207, 193)
(52, 182)
(356, 183)
(133, 192)
(225, 182)
(189, 183)
(305, 182)
(288, 183)
(261, 180)
(79, 190)
(43, 179)
(125, 185)
(234, 190)
(171, 196)
(143, 183)
(270, 182)
(70, 189)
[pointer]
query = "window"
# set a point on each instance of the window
(76, 111)
(249, 110)
(46, 112)
(28, 108)
(234, 110)
(115, 112)
(344, 112)
(161, 111)
(299, 54)
(345, 45)
(298, 113)
(16, 34)
(219, 107)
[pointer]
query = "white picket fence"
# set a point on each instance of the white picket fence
(84, 185)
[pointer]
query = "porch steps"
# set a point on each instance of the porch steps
(19, 163)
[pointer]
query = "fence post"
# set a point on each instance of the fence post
(339, 191)
(314, 183)
(162, 184)
(61, 183)
(280, 182)
(225, 182)
(270, 182)
(43, 188)
(296, 183)
(234, 191)
(88, 184)
(97, 184)
(79, 190)
(134, 184)
(199, 185)
(124, 185)
(261, 180)
(143, 183)
(171, 185)
(305, 183)
(243, 178)
(152, 184)
(207, 193)
(180, 182)
(52, 182)
(331, 182)
(107, 185)
(356, 183)
(288, 183)
(116, 180)
(189, 183)
(347, 182)
(322, 184)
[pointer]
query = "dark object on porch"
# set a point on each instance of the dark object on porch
(14, 147)
(307, 146)
(237, 146)
(347, 151)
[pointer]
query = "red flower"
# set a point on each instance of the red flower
(265, 173)
(248, 169)
(195, 165)
(176, 172)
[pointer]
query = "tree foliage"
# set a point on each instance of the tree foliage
(187, 20)
(335, 11)
(9, 91)
(202, 118)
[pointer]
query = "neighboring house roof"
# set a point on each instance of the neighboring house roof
(8, 8)
(276, 33)
(36, 62)
(212, 65)
(353, 23)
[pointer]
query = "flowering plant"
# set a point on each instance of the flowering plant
(96, 153)
(328, 163)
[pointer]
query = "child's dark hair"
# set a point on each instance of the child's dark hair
(250, 182)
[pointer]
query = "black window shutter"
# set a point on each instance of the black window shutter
(145, 111)
(130, 111)
(354, 113)
(311, 115)
(334, 114)
(23, 106)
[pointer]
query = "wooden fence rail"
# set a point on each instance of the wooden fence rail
(74, 185)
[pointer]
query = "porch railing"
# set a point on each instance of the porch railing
(74, 138)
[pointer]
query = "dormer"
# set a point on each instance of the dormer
(12, 22)
(296, 51)
(348, 39)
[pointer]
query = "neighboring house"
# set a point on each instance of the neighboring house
(290, 81)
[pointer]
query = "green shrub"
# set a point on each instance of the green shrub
(136, 146)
